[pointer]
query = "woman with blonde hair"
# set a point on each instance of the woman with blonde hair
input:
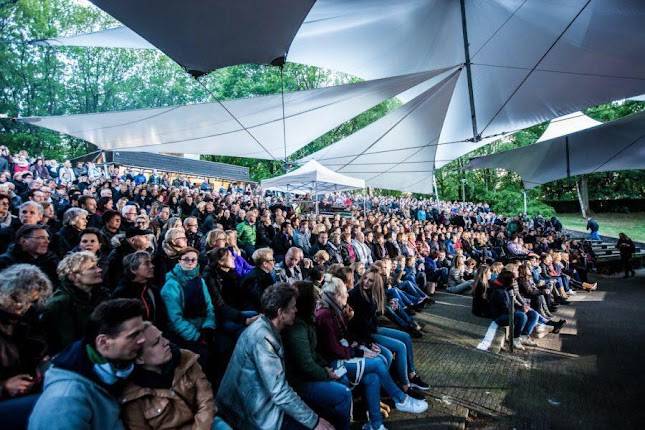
(242, 267)
(67, 312)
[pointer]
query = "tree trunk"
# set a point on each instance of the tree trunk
(583, 196)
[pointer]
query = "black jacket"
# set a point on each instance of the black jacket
(114, 272)
(47, 263)
(365, 320)
(253, 285)
(66, 239)
(223, 286)
(150, 297)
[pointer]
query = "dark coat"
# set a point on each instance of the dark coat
(500, 300)
(365, 320)
(114, 272)
(149, 295)
(253, 285)
(222, 286)
(66, 239)
(66, 314)
(47, 263)
(303, 362)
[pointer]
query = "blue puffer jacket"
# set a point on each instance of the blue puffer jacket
(173, 296)
(73, 398)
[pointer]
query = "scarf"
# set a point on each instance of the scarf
(149, 379)
(328, 301)
(104, 370)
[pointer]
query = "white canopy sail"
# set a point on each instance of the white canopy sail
(207, 128)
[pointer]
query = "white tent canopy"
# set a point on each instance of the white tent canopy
(312, 178)
(567, 124)
(398, 151)
(208, 129)
(525, 61)
(205, 35)
(612, 146)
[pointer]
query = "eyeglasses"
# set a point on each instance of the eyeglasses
(39, 238)
(189, 260)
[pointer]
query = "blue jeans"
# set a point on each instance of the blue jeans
(234, 328)
(329, 399)
(525, 323)
(460, 288)
(519, 321)
(376, 366)
(15, 412)
(410, 288)
(404, 299)
(594, 235)
(400, 343)
(399, 317)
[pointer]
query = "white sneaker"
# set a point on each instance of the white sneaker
(527, 341)
(412, 405)
(540, 331)
(517, 344)
(572, 292)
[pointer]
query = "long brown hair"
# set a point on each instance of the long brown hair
(377, 292)
(480, 282)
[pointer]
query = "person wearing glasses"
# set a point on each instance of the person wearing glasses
(67, 313)
(167, 255)
(31, 246)
(191, 315)
(193, 235)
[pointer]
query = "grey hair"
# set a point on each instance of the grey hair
(38, 206)
(131, 262)
(261, 255)
(125, 208)
(20, 281)
(332, 284)
(71, 213)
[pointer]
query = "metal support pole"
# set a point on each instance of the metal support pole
(316, 196)
(365, 201)
(525, 203)
(511, 319)
(463, 190)
(469, 78)
(436, 191)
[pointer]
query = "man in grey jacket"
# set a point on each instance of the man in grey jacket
(254, 393)
(82, 386)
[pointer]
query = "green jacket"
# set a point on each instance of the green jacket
(66, 314)
(245, 233)
(303, 363)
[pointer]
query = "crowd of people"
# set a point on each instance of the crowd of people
(130, 302)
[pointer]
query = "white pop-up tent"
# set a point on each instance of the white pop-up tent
(611, 146)
(312, 178)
